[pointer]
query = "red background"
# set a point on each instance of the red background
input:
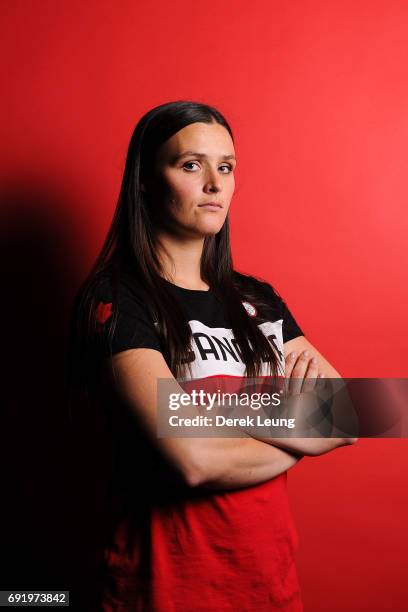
(317, 94)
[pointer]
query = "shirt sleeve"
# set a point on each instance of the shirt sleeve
(290, 328)
(135, 326)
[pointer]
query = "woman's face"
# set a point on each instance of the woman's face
(194, 167)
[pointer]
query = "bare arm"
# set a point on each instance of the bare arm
(208, 462)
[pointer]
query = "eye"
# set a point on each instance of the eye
(223, 166)
(189, 164)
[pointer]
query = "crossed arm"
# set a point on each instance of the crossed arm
(217, 463)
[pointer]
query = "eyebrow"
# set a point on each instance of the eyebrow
(201, 155)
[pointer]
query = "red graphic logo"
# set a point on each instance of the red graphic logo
(103, 312)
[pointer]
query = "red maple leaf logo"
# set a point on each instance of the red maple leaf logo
(103, 312)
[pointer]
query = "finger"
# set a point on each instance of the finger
(298, 373)
(290, 363)
(311, 374)
(321, 386)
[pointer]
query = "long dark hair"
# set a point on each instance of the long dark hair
(130, 248)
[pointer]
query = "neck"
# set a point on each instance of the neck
(181, 260)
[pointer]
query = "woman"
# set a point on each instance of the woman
(202, 523)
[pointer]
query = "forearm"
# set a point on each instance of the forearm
(307, 446)
(230, 463)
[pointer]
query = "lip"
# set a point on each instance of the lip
(211, 205)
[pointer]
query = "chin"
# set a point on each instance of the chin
(210, 229)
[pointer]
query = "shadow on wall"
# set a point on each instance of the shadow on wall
(54, 474)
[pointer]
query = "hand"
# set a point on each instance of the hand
(302, 370)
(303, 386)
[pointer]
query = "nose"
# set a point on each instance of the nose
(213, 181)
